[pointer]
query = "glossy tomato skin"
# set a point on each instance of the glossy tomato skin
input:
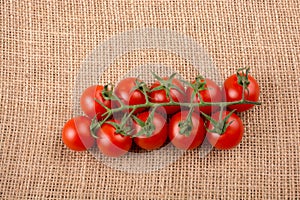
(89, 106)
(76, 134)
(160, 96)
(232, 91)
(212, 93)
(110, 143)
(196, 136)
(158, 137)
(124, 91)
(232, 135)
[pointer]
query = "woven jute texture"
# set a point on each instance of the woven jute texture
(43, 45)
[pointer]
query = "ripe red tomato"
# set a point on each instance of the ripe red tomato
(157, 137)
(196, 136)
(232, 91)
(124, 91)
(88, 104)
(76, 134)
(160, 96)
(210, 93)
(111, 143)
(232, 135)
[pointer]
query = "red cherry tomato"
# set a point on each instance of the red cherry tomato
(196, 136)
(232, 135)
(128, 96)
(232, 91)
(111, 143)
(88, 104)
(158, 136)
(76, 134)
(211, 93)
(160, 96)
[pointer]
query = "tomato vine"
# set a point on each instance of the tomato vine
(167, 85)
(142, 122)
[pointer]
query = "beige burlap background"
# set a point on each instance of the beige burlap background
(43, 44)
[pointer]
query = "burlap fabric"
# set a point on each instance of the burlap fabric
(43, 44)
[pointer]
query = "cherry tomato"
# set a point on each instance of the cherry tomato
(160, 96)
(194, 138)
(88, 104)
(232, 91)
(210, 93)
(157, 137)
(233, 133)
(111, 143)
(76, 134)
(128, 96)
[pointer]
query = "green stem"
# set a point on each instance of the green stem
(221, 113)
(174, 103)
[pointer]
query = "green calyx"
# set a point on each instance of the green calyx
(221, 125)
(141, 86)
(200, 84)
(107, 91)
(93, 127)
(146, 130)
(147, 127)
(121, 129)
(242, 75)
(166, 85)
(125, 126)
(186, 126)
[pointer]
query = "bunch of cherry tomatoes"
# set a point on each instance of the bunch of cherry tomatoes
(174, 110)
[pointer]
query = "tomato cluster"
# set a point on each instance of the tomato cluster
(181, 112)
